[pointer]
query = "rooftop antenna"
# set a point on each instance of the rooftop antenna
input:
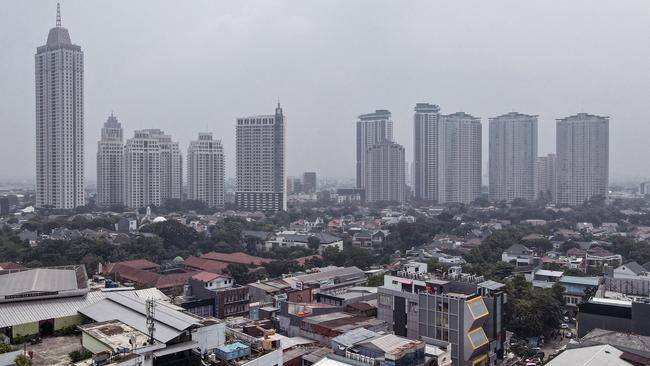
(151, 326)
(58, 15)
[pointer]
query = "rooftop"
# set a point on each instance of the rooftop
(115, 334)
(378, 114)
(238, 257)
(604, 355)
(16, 313)
(169, 322)
(43, 283)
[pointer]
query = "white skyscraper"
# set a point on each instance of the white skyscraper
(545, 177)
(206, 170)
(426, 133)
(59, 74)
(110, 164)
(582, 149)
(142, 170)
(459, 151)
(260, 162)
(513, 150)
(372, 128)
(171, 166)
(447, 155)
(385, 172)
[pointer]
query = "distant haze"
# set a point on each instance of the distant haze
(190, 66)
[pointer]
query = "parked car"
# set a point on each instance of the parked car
(566, 319)
(564, 326)
(569, 335)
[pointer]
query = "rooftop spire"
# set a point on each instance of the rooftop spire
(58, 15)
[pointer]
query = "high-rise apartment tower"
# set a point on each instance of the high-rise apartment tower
(59, 76)
(513, 150)
(206, 171)
(260, 162)
(110, 164)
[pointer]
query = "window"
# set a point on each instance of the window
(477, 338)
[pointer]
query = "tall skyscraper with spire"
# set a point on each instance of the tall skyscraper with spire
(110, 164)
(260, 162)
(59, 75)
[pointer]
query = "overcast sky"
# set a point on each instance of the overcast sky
(190, 66)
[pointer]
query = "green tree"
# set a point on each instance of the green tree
(22, 360)
(376, 280)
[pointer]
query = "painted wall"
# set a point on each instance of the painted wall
(93, 345)
(67, 321)
(24, 329)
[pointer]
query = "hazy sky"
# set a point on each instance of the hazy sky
(190, 66)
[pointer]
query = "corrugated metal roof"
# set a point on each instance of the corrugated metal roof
(355, 336)
(389, 342)
(589, 281)
(15, 313)
(38, 280)
(131, 310)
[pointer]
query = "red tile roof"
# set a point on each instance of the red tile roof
(151, 279)
(173, 280)
(138, 276)
(204, 264)
(204, 276)
(136, 263)
(238, 257)
(10, 265)
(301, 261)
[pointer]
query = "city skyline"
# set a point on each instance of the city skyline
(104, 85)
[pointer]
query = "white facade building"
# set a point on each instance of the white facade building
(206, 170)
(513, 150)
(545, 177)
(385, 174)
(460, 158)
(110, 164)
(582, 143)
(372, 128)
(426, 159)
(171, 166)
(59, 76)
(142, 170)
(260, 162)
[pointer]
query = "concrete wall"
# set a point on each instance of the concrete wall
(26, 329)
(93, 345)
(588, 322)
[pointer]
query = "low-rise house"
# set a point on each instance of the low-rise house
(236, 258)
(575, 288)
(28, 236)
(290, 239)
(545, 278)
(213, 295)
(202, 264)
(520, 256)
(631, 270)
(347, 296)
(365, 346)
